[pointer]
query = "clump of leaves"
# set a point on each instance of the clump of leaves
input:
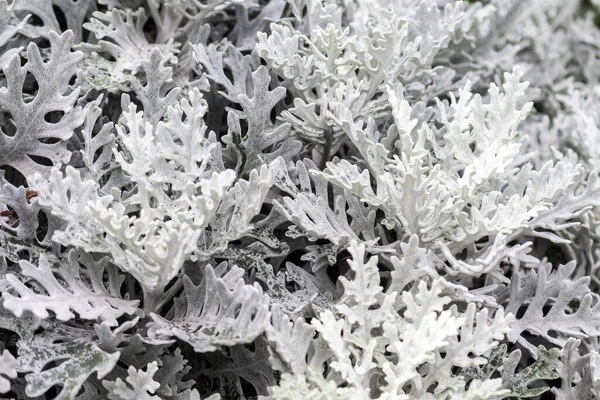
(290, 199)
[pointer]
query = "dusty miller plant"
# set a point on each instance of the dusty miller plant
(299, 199)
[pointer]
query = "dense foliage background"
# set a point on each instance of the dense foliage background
(301, 199)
